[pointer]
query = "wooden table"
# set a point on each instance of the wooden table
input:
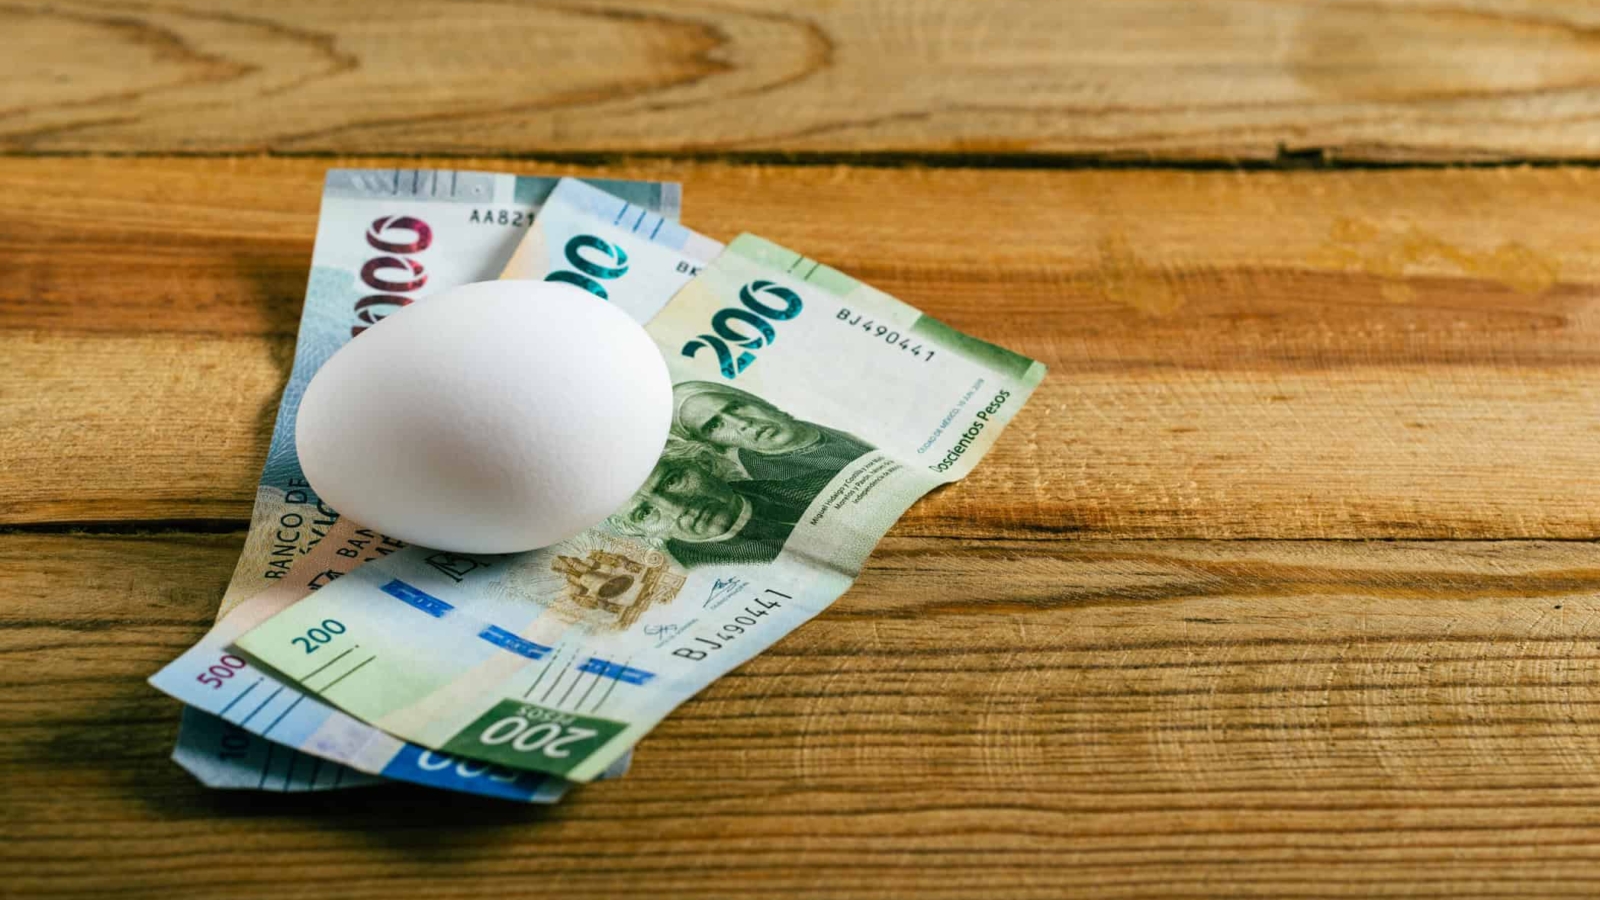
(1284, 584)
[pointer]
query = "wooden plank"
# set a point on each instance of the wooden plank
(1313, 355)
(1007, 718)
(1166, 79)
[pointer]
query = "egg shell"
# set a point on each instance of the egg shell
(495, 417)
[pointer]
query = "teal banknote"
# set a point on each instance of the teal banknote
(610, 247)
(385, 238)
(810, 411)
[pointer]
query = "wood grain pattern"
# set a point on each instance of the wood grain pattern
(1165, 79)
(1005, 718)
(1041, 686)
(1313, 355)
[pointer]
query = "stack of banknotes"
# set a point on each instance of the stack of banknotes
(810, 412)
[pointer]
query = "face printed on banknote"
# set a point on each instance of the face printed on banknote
(737, 474)
(764, 442)
(724, 416)
(684, 500)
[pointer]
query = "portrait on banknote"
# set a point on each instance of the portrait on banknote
(736, 477)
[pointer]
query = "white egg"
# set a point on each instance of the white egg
(493, 418)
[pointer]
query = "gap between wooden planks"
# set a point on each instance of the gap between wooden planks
(1314, 355)
(1007, 718)
(1220, 80)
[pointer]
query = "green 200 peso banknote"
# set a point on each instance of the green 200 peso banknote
(810, 412)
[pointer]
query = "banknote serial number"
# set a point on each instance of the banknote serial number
(512, 218)
(888, 334)
(732, 629)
